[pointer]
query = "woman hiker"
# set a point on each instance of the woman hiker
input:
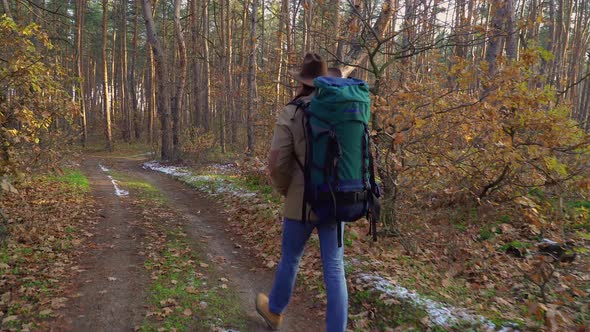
(288, 143)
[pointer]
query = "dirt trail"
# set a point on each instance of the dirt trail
(206, 226)
(110, 296)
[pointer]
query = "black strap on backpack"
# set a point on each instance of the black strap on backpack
(374, 212)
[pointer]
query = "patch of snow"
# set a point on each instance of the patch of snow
(118, 191)
(439, 313)
(213, 185)
(548, 241)
(224, 167)
(170, 170)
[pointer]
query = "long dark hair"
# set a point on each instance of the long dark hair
(304, 90)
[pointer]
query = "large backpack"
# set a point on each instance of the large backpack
(338, 167)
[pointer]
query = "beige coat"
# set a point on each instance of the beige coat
(287, 177)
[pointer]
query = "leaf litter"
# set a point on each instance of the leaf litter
(256, 220)
(48, 224)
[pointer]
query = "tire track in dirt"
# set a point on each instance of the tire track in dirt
(110, 292)
(205, 225)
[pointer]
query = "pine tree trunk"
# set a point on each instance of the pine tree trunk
(252, 78)
(80, 13)
(206, 68)
(280, 49)
(132, 72)
(180, 85)
(125, 98)
(495, 39)
(105, 79)
(162, 93)
(196, 69)
(358, 54)
(6, 7)
(511, 31)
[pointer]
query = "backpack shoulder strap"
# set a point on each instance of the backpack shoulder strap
(301, 104)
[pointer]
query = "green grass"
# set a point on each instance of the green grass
(179, 275)
(142, 188)
(515, 244)
(72, 178)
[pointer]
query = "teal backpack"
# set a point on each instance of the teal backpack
(338, 167)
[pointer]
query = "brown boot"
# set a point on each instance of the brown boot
(273, 320)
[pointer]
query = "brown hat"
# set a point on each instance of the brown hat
(313, 66)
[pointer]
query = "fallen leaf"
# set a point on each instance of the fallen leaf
(58, 302)
(187, 312)
(9, 319)
(190, 290)
(167, 311)
(45, 312)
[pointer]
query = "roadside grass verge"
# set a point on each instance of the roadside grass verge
(71, 179)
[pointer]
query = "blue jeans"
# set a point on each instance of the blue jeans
(295, 235)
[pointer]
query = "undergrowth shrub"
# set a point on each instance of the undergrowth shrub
(473, 140)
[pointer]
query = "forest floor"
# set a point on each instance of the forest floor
(114, 244)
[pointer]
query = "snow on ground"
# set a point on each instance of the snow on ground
(212, 184)
(118, 191)
(224, 168)
(440, 314)
(170, 170)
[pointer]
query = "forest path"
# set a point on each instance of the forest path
(206, 224)
(107, 305)
(111, 291)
